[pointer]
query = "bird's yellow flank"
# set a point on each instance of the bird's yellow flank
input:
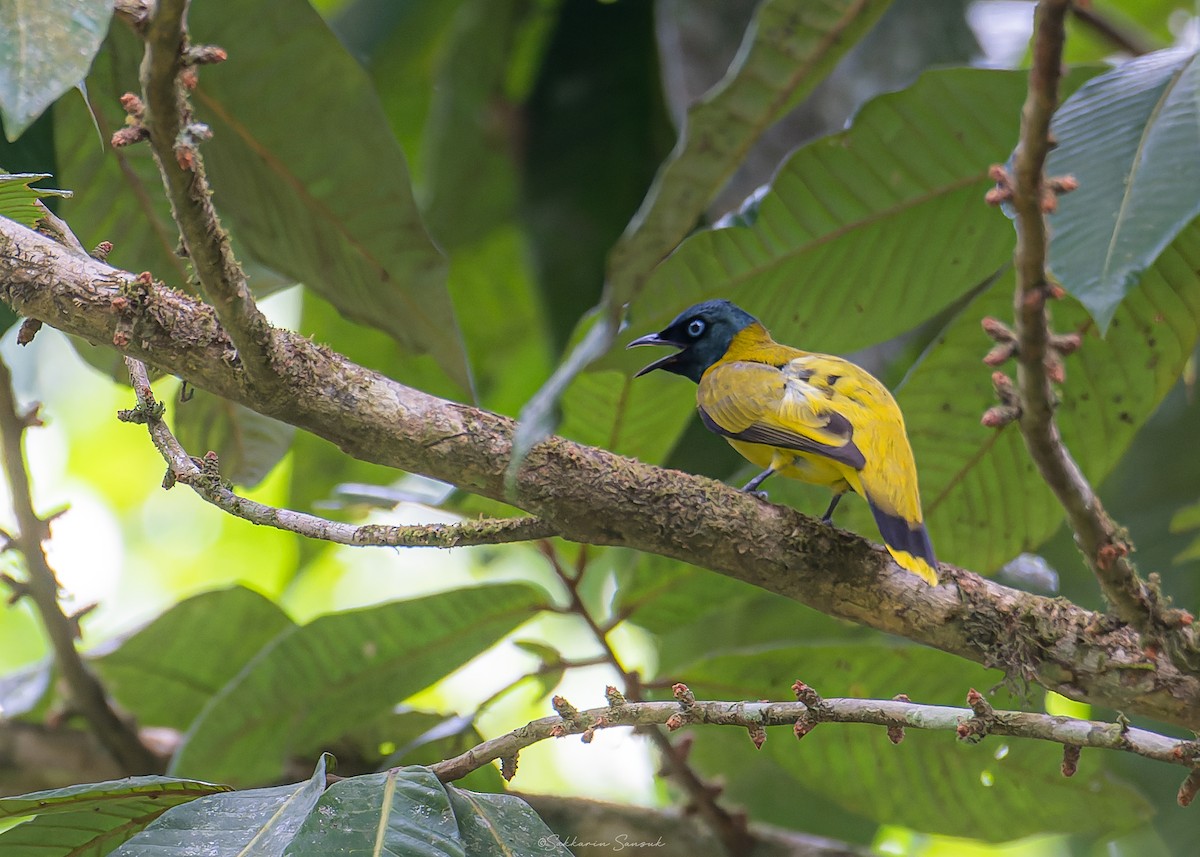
(812, 417)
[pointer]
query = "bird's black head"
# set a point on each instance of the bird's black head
(702, 332)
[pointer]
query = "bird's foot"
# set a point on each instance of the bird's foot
(762, 495)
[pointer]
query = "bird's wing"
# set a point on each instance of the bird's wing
(776, 406)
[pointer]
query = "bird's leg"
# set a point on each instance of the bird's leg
(751, 487)
(828, 516)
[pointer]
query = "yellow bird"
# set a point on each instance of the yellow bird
(812, 417)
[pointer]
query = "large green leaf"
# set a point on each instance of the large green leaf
(167, 671)
(339, 218)
(983, 499)
(260, 822)
(1123, 135)
(92, 818)
(838, 253)
(45, 49)
(399, 812)
(1001, 789)
(790, 46)
(314, 683)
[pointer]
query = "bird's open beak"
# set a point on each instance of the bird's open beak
(656, 339)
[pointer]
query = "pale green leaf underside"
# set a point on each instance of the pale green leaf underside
(1131, 137)
(46, 47)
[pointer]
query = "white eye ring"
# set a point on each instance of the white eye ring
(695, 327)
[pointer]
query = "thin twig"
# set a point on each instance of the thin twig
(888, 713)
(87, 695)
(732, 829)
(201, 476)
(1122, 37)
(1097, 536)
(174, 139)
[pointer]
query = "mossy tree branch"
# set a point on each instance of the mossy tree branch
(590, 495)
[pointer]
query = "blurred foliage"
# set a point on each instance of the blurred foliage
(455, 186)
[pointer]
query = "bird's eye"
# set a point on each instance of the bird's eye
(695, 327)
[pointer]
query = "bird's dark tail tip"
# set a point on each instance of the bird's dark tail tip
(908, 543)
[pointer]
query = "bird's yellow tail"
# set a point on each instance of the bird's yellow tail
(908, 543)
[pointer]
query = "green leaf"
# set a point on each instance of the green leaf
(314, 683)
(787, 50)
(92, 818)
(493, 825)
(143, 791)
(1123, 136)
(402, 811)
(341, 219)
(790, 46)
(913, 164)
(260, 822)
(471, 180)
(45, 49)
(144, 674)
(838, 256)
(984, 502)
(247, 444)
(852, 771)
(19, 201)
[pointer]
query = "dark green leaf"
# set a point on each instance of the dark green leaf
(400, 812)
(248, 445)
(92, 818)
(339, 218)
(45, 49)
(1122, 136)
(260, 822)
(493, 825)
(314, 683)
(143, 791)
(147, 675)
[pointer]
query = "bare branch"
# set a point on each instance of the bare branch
(1101, 541)
(590, 495)
(86, 693)
(1120, 36)
(202, 477)
(888, 713)
(174, 139)
(732, 829)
